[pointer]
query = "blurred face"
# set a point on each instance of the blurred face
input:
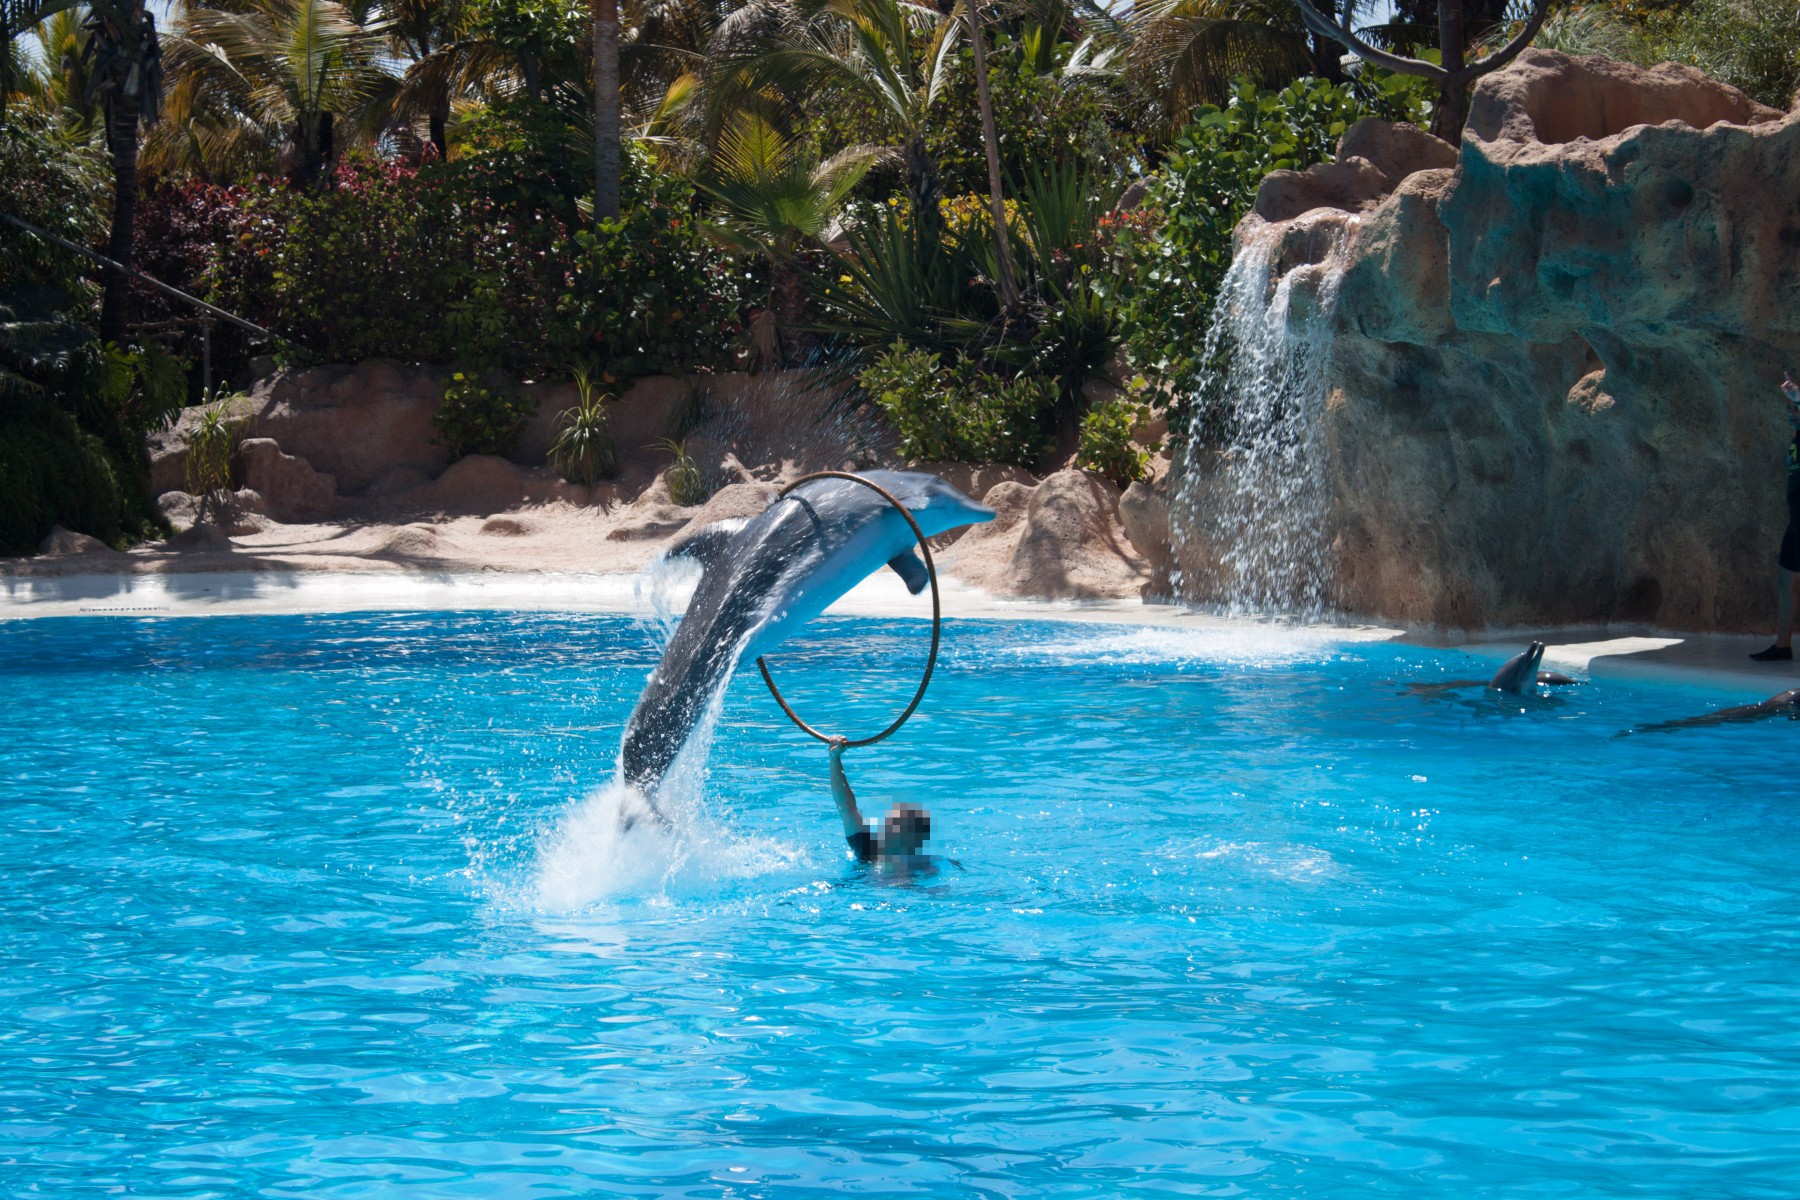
(905, 830)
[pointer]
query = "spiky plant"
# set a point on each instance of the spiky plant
(583, 449)
(211, 443)
(685, 480)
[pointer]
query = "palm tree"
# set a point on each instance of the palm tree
(416, 30)
(281, 77)
(606, 110)
(121, 58)
(1189, 51)
(894, 54)
(58, 82)
(779, 200)
(124, 61)
(659, 50)
(17, 75)
(990, 137)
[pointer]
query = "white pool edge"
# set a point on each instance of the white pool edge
(1706, 660)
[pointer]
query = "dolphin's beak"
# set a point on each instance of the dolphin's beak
(980, 514)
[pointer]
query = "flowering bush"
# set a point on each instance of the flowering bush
(485, 259)
(356, 271)
(175, 238)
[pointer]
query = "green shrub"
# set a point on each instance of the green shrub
(1106, 446)
(1042, 118)
(477, 419)
(685, 480)
(1754, 45)
(583, 449)
(52, 473)
(960, 414)
(927, 283)
(73, 413)
(484, 259)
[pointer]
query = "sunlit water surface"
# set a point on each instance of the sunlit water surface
(321, 906)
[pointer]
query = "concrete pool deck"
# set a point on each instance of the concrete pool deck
(1709, 660)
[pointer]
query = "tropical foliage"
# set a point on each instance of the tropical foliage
(480, 416)
(1180, 248)
(983, 215)
(73, 411)
(1108, 446)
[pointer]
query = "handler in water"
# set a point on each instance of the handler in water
(903, 832)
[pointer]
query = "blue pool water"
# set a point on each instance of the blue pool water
(320, 906)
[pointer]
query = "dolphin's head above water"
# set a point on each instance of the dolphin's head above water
(935, 505)
(1520, 674)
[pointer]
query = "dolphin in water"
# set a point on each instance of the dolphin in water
(1516, 676)
(1520, 672)
(1782, 704)
(764, 578)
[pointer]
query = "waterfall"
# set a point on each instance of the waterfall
(1250, 512)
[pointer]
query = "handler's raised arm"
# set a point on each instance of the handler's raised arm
(840, 791)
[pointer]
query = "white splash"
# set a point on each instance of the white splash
(612, 845)
(664, 588)
(1255, 496)
(1240, 644)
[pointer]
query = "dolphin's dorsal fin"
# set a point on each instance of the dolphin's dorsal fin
(707, 547)
(907, 566)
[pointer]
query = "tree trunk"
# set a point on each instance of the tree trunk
(1327, 56)
(1452, 108)
(327, 148)
(787, 296)
(6, 58)
(606, 110)
(1009, 287)
(921, 175)
(440, 120)
(1450, 112)
(121, 139)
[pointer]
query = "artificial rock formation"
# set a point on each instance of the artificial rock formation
(290, 488)
(1551, 389)
(1059, 540)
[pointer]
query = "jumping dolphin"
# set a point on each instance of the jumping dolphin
(1782, 704)
(765, 578)
(1516, 675)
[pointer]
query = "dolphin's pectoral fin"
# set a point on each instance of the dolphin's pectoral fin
(907, 566)
(707, 547)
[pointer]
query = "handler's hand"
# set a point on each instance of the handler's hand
(837, 742)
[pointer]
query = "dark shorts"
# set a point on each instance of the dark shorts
(1789, 558)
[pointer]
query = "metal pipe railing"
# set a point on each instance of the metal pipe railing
(212, 310)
